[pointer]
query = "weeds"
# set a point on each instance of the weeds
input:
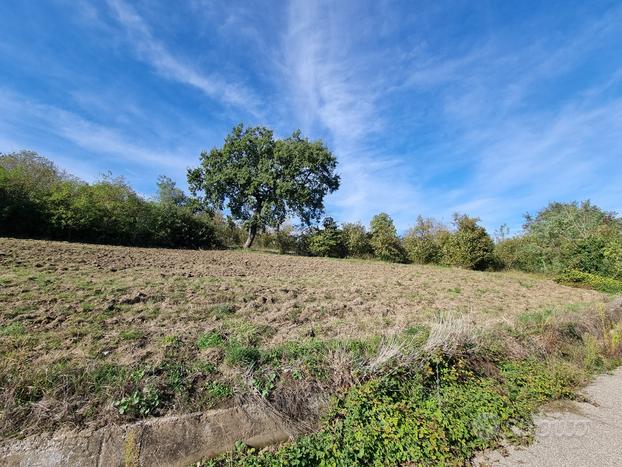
(445, 401)
(209, 340)
(139, 403)
(218, 391)
(590, 281)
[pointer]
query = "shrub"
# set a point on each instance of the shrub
(441, 416)
(227, 231)
(517, 253)
(39, 200)
(384, 241)
(423, 243)
(25, 182)
(612, 258)
(469, 246)
(285, 239)
(589, 281)
(579, 236)
(356, 240)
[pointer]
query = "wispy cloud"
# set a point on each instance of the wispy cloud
(475, 107)
(507, 152)
(333, 91)
(152, 51)
(41, 119)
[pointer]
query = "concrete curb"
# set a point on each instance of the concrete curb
(171, 441)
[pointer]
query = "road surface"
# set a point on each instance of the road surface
(574, 434)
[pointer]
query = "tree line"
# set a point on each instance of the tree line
(262, 183)
(559, 238)
(39, 200)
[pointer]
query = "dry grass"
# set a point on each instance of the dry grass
(78, 304)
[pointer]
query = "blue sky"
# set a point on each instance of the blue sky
(493, 108)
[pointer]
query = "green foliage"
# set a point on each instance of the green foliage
(263, 181)
(168, 193)
(531, 382)
(424, 242)
(589, 281)
(356, 241)
(209, 340)
(179, 227)
(469, 246)
(384, 240)
(227, 232)
(38, 200)
(442, 415)
(25, 181)
(238, 354)
(265, 382)
(612, 257)
(218, 390)
(328, 241)
(283, 239)
(139, 403)
(580, 236)
(517, 253)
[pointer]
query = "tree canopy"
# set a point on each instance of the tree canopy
(384, 240)
(263, 181)
(39, 200)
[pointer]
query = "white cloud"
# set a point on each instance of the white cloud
(40, 119)
(334, 92)
(166, 63)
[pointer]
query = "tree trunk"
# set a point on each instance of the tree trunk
(252, 232)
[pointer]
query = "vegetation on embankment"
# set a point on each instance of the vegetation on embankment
(586, 280)
(441, 406)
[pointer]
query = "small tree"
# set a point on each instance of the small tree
(469, 246)
(168, 193)
(328, 241)
(262, 181)
(356, 240)
(384, 239)
(424, 242)
(26, 179)
(573, 236)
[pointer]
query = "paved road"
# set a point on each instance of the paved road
(576, 434)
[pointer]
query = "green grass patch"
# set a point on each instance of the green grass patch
(131, 334)
(238, 354)
(535, 319)
(13, 330)
(210, 340)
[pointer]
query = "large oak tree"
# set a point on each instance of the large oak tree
(263, 181)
